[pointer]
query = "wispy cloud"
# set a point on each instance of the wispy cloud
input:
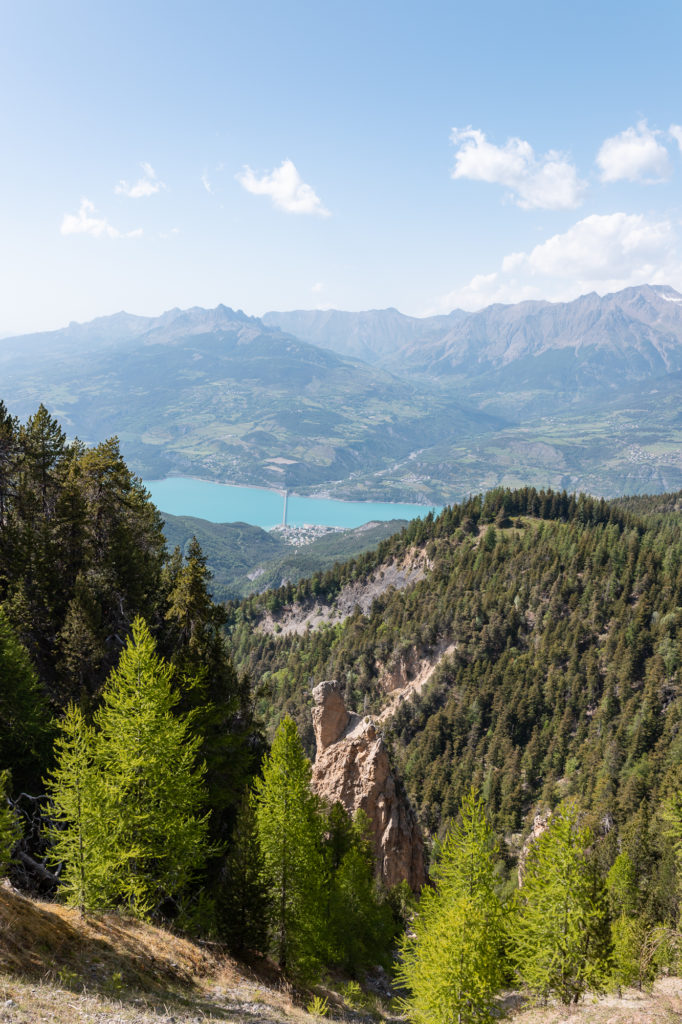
(207, 184)
(675, 132)
(637, 154)
(147, 185)
(84, 223)
(286, 189)
(600, 253)
(549, 182)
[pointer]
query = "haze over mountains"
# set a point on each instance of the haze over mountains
(582, 395)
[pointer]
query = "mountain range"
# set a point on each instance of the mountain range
(581, 395)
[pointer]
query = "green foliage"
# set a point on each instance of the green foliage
(453, 964)
(77, 826)
(562, 679)
(360, 923)
(10, 827)
(244, 907)
(353, 995)
(289, 826)
(153, 789)
(672, 821)
(621, 886)
(248, 560)
(25, 728)
(628, 935)
(81, 551)
(217, 700)
(127, 796)
(318, 1006)
(558, 944)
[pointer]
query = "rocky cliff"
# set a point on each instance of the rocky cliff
(352, 766)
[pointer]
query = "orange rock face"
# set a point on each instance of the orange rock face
(352, 766)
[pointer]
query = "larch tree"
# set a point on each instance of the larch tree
(153, 795)
(360, 924)
(10, 826)
(453, 962)
(77, 828)
(290, 831)
(559, 942)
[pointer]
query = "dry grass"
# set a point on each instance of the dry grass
(48, 941)
(662, 1006)
(60, 967)
(57, 967)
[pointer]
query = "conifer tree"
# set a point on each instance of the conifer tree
(453, 965)
(153, 792)
(558, 940)
(672, 823)
(10, 827)
(219, 700)
(290, 829)
(25, 729)
(243, 900)
(360, 926)
(78, 829)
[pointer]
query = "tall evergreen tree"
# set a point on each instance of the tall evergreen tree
(558, 935)
(77, 827)
(243, 901)
(10, 827)
(360, 925)
(453, 963)
(25, 731)
(153, 788)
(218, 699)
(290, 829)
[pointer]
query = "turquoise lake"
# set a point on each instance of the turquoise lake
(225, 503)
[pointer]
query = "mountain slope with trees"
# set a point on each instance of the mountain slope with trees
(245, 559)
(550, 627)
(562, 616)
(142, 793)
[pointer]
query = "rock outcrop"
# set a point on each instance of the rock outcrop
(352, 766)
(540, 825)
(330, 717)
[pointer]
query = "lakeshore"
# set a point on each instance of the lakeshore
(258, 506)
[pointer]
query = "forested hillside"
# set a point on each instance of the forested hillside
(521, 652)
(82, 556)
(246, 560)
(133, 773)
(559, 618)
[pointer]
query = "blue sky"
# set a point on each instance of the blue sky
(355, 155)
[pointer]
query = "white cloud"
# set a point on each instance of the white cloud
(84, 223)
(549, 182)
(601, 253)
(207, 184)
(285, 188)
(317, 288)
(675, 131)
(637, 154)
(148, 185)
